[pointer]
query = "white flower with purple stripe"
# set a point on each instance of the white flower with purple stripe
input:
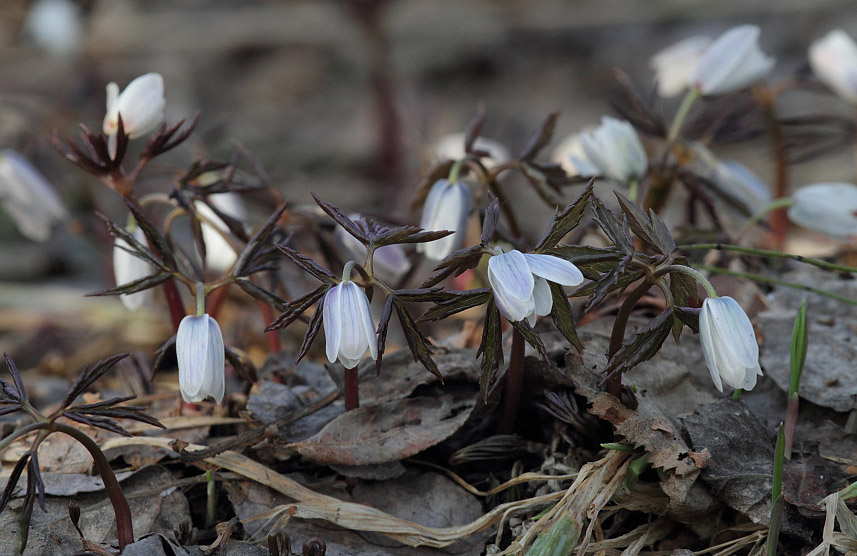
(348, 326)
(520, 282)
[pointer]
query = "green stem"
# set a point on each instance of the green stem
(681, 114)
(695, 274)
(211, 499)
(774, 282)
(736, 395)
(769, 254)
(633, 188)
(200, 299)
(757, 216)
(456, 170)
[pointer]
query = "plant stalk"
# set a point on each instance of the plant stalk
(514, 383)
(613, 384)
(352, 392)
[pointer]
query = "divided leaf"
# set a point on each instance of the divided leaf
(616, 230)
(458, 302)
(419, 345)
(456, 263)
(643, 346)
(491, 347)
(561, 315)
(649, 228)
(565, 221)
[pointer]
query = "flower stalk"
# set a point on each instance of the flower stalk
(514, 383)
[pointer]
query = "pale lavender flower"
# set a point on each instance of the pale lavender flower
(348, 327)
(446, 208)
(129, 268)
(828, 208)
(729, 344)
(28, 198)
(201, 358)
(732, 62)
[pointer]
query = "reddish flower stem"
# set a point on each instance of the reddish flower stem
(514, 383)
(613, 384)
(352, 392)
(174, 302)
(216, 300)
(273, 338)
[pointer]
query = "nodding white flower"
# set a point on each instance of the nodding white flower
(348, 326)
(569, 154)
(732, 178)
(201, 358)
(731, 62)
(446, 208)
(141, 105)
(829, 208)
(673, 66)
(56, 26)
(390, 261)
(129, 268)
(729, 344)
(834, 61)
(614, 148)
(219, 253)
(28, 198)
(451, 147)
(520, 282)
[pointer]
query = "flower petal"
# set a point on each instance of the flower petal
(128, 268)
(513, 283)
(705, 325)
(542, 297)
(332, 320)
(200, 355)
(828, 208)
(447, 208)
(353, 341)
(554, 269)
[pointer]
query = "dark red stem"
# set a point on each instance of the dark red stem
(779, 218)
(273, 338)
(174, 302)
(613, 384)
(216, 300)
(352, 391)
(790, 424)
(514, 382)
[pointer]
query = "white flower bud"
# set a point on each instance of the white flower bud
(201, 358)
(446, 208)
(828, 208)
(451, 147)
(732, 62)
(129, 268)
(673, 66)
(569, 154)
(390, 261)
(614, 148)
(56, 27)
(219, 254)
(834, 61)
(28, 198)
(729, 344)
(141, 105)
(348, 326)
(520, 282)
(733, 178)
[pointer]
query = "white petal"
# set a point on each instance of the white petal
(707, 342)
(554, 269)
(28, 198)
(129, 268)
(614, 148)
(367, 324)
(219, 254)
(826, 207)
(732, 62)
(355, 319)
(56, 26)
(451, 147)
(200, 355)
(141, 105)
(332, 320)
(512, 283)
(109, 125)
(674, 65)
(834, 60)
(542, 298)
(447, 208)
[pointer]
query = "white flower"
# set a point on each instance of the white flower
(834, 61)
(729, 344)
(28, 198)
(56, 26)
(733, 178)
(201, 357)
(732, 62)
(348, 325)
(446, 208)
(569, 154)
(674, 65)
(520, 282)
(219, 254)
(390, 261)
(451, 147)
(614, 148)
(141, 105)
(129, 268)
(828, 208)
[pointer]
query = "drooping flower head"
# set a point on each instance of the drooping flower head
(829, 208)
(834, 61)
(674, 65)
(200, 354)
(614, 148)
(520, 282)
(28, 198)
(729, 344)
(129, 268)
(348, 326)
(731, 62)
(219, 253)
(446, 208)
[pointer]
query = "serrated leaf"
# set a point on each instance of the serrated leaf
(156, 240)
(343, 220)
(294, 309)
(492, 214)
(97, 421)
(461, 301)
(531, 337)
(161, 352)
(434, 294)
(689, 316)
(540, 183)
(257, 243)
(144, 283)
(418, 344)
(381, 332)
(89, 375)
(643, 346)
(616, 279)
(615, 229)
(312, 330)
(456, 263)
(561, 315)
(541, 138)
(408, 234)
(682, 289)
(134, 247)
(491, 348)
(307, 264)
(565, 221)
(261, 293)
